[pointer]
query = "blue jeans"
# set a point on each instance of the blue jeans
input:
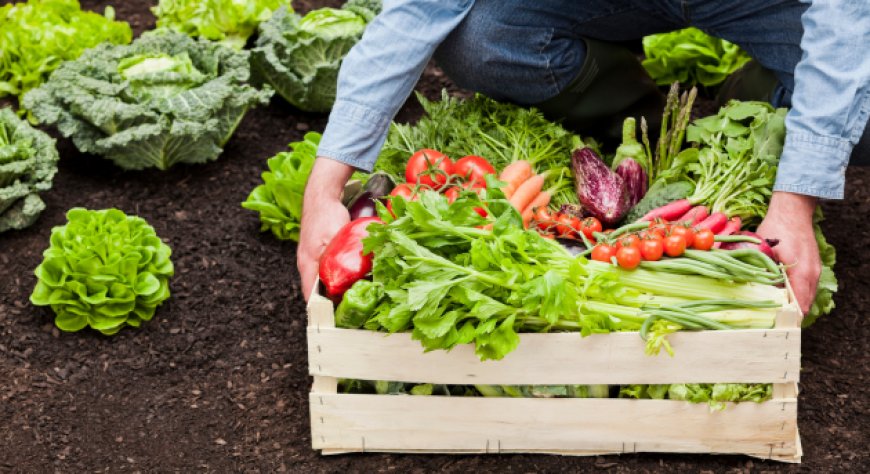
(528, 51)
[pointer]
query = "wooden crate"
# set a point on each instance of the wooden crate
(345, 423)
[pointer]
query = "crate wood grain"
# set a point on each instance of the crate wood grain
(345, 423)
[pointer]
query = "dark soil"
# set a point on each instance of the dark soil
(218, 380)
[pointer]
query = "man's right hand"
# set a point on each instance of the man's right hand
(322, 216)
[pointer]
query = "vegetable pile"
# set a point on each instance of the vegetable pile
(37, 36)
(690, 56)
(28, 163)
(103, 269)
(229, 21)
(300, 56)
(162, 100)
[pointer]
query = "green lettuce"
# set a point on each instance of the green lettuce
(37, 36)
(103, 269)
(824, 301)
(231, 22)
(300, 56)
(691, 56)
(162, 100)
(28, 163)
(279, 198)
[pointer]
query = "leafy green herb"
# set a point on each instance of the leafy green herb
(28, 163)
(691, 56)
(37, 36)
(162, 100)
(103, 269)
(228, 21)
(300, 56)
(501, 133)
(279, 198)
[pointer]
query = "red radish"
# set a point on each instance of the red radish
(731, 227)
(764, 247)
(670, 212)
(343, 262)
(715, 222)
(696, 214)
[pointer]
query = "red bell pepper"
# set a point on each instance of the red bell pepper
(343, 262)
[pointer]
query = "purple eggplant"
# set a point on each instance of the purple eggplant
(635, 179)
(363, 206)
(376, 188)
(601, 191)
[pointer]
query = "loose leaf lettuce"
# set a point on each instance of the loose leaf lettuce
(300, 56)
(691, 56)
(279, 198)
(824, 301)
(28, 163)
(228, 21)
(162, 100)
(37, 36)
(103, 269)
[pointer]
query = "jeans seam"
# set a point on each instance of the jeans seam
(554, 84)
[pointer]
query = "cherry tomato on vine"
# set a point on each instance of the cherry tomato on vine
(630, 240)
(651, 249)
(704, 239)
(589, 226)
(566, 225)
(603, 253)
(675, 245)
(428, 168)
(543, 219)
(404, 190)
(628, 257)
(685, 232)
(474, 169)
(452, 194)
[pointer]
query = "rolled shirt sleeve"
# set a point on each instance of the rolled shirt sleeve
(379, 73)
(831, 101)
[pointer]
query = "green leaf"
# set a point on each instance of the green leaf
(691, 56)
(228, 21)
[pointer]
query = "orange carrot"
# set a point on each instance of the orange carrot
(541, 200)
(526, 192)
(514, 175)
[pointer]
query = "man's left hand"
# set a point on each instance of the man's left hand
(790, 220)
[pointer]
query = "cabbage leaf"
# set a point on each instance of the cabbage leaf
(231, 22)
(162, 100)
(28, 163)
(690, 56)
(300, 56)
(37, 36)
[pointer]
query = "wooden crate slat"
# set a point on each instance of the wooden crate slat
(564, 426)
(745, 356)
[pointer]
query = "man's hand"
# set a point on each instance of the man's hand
(790, 220)
(322, 216)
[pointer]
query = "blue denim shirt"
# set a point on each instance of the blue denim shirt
(830, 104)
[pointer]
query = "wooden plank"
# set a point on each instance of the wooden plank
(740, 356)
(347, 423)
(320, 315)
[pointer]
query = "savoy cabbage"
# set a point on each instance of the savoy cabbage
(163, 99)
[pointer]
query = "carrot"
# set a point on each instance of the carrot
(514, 175)
(526, 192)
(541, 200)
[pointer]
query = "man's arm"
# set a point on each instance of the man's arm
(830, 107)
(375, 79)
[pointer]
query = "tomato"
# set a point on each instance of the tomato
(654, 234)
(474, 169)
(452, 194)
(566, 225)
(628, 257)
(403, 190)
(686, 232)
(651, 249)
(589, 226)
(481, 211)
(630, 240)
(603, 253)
(675, 245)
(428, 168)
(543, 219)
(704, 239)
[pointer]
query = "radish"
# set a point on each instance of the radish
(731, 227)
(670, 211)
(715, 222)
(696, 214)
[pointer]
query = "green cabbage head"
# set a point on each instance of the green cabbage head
(103, 269)
(28, 163)
(300, 56)
(228, 21)
(691, 56)
(161, 100)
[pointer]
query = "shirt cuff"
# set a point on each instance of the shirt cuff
(813, 165)
(354, 134)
